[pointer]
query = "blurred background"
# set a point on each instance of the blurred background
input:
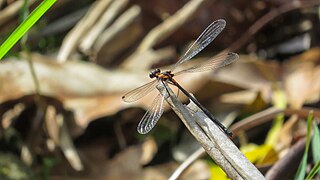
(62, 116)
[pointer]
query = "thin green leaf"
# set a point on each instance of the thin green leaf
(315, 146)
(302, 168)
(314, 171)
(303, 164)
(25, 26)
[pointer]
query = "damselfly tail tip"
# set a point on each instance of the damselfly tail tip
(142, 131)
(222, 21)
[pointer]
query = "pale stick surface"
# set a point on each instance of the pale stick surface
(242, 165)
(218, 146)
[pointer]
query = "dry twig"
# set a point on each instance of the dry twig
(71, 40)
(107, 17)
(121, 23)
(268, 115)
(194, 156)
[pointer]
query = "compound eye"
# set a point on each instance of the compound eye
(151, 75)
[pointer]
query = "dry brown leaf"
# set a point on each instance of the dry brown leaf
(241, 81)
(302, 78)
(302, 83)
(312, 55)
(149, 149)
(198, 170)
(85, 88)
(250, 73)
(286, 133)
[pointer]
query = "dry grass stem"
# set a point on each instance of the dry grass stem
(72, 39)
(120, 24)
(108, 16)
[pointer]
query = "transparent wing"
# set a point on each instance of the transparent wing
(152, 116)
(206, 37)
(139, 92)
(212, 64)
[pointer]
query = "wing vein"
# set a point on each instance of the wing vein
(152, 116)
(212, 64)
(206, 37)
(139, 92)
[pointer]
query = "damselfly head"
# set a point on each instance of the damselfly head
(154, 73)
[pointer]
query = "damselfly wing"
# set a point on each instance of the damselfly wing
(154, 113)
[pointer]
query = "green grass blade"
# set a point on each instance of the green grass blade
(316, 145)
(25, 26)
(314, 171)
(302, 168)
(303, 164)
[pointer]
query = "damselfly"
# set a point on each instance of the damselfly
(154, 113)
